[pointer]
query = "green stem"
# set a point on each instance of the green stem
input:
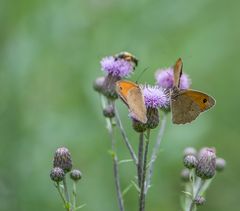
(143, 177)
(115, 168)
(74, 194)
(125, 138)
(155, 152)
(197, 189)
(60, 193)
(66, 193)
(140, 159)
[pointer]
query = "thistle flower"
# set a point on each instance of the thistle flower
(119, 67)
(220, 164)
(57, 174)
(75, 175)
(190, 161)
(206, 166)
(154, 97)
(115, 70)
(164, 78)
(62, 159)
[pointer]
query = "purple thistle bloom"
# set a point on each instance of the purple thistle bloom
(155, 97)
(119, 67)
(164, 78)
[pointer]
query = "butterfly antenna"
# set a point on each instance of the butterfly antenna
(140, 75)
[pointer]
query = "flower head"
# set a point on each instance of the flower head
(155, 97)
(75, 175)
(189, 151)
(62, 159)
(164, 78)
(190, 161)
(116, 67)
(220, 164)
(206, 166)
(57, 174)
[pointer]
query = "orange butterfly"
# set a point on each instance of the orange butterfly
(132, 96)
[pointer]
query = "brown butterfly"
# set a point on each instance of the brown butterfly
(132, 96)
(187, 104)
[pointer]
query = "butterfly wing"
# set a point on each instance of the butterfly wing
(136, 104)
(132, 96)
(123, 87)
(186, 105)
(177, 72)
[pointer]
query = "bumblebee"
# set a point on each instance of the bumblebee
(127, 57)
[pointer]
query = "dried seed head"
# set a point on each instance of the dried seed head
(75, 175)
(199, 200)
(62, 159)
(190, 161)
(109, 111)
(98, 84)
(57, 174)
(185, 175)
(206, 166)
(220, 164)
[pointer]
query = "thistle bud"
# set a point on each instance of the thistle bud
(206, 166)
(153, 118)
(62, 159)
(75, 175)
(138, 126)
(190, 161)
(185, 175)
(189, 151)
(220, 164)
(109, 111)
(57, 174)
(199, 200)
(109, 87)
(98, 84)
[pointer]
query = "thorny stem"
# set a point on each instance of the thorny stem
(125, 138)
(140, 159)
(66, 193)
(115, 168)
(143, 178)
(155, 152)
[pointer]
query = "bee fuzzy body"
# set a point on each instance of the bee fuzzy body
(127, 57)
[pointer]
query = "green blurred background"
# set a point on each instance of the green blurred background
(49, 56)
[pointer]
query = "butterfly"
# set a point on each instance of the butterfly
(186, 105)
(132, 96)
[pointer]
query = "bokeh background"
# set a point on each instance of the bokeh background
(49, 56)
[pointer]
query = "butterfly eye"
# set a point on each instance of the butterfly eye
(204, 100)
(121, 88)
